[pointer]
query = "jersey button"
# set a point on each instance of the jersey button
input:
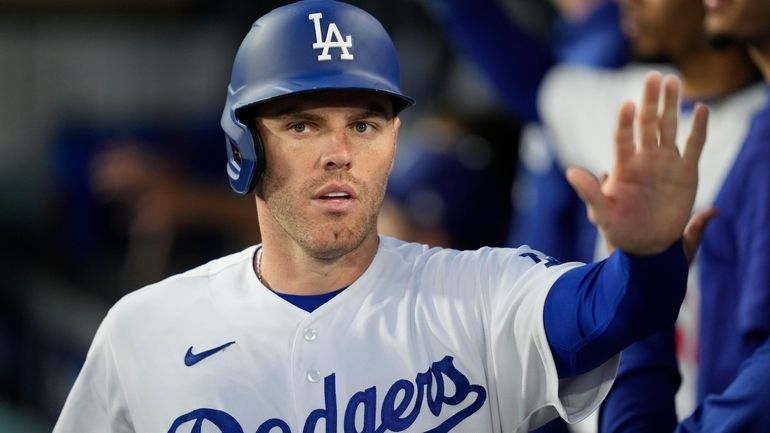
(310, 334)
(313, 376)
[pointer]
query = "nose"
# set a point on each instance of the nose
(337, 153)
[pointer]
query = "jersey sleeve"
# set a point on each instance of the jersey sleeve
(743, 406)
(97, 402)
(522, 365)
(753, 233)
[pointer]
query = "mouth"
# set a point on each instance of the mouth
(335, 195)
(335, 198)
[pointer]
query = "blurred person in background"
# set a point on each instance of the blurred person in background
(735, 257)
(139, 202)
(452, 188)
(570, 101)
(584, 32)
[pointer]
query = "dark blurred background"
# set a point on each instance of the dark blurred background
(112, 165)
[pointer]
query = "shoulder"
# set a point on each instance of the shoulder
(760, 124)
(734, 112)
(176, 291)
(415, 253)
(483, 264)
(748, 99)
(754, 156)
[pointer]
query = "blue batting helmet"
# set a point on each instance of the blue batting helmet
(306, 46)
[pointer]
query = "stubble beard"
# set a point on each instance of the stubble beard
(332, 235)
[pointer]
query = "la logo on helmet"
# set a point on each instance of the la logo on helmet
(333, 39)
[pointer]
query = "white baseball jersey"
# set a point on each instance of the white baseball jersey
(425, 340)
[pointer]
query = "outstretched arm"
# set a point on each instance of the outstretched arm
(642, 207)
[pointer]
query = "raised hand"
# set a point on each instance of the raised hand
(645, 203)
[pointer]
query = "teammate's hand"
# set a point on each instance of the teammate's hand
(693, 232)
(645, 203)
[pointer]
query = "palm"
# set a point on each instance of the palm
(645, 203)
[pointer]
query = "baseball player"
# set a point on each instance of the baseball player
(328, 327)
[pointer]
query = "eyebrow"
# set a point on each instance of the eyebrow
(373, 110)
(296, 114)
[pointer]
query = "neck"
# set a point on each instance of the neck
(760, 54)
(708, 74)
(286, 267)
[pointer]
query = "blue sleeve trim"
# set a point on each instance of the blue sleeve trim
(594, 311)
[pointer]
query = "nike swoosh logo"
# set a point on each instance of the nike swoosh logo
(191, 358)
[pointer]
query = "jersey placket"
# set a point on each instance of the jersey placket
(309, 376)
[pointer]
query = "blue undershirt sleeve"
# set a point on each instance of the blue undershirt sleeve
(594, 311)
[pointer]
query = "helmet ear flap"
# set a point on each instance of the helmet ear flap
(247, 115)
(245, 154)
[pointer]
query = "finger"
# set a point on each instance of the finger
(588, 188)
(624, 134)
(693, 232)
(669, 118)
(697, 136)
(648, 112)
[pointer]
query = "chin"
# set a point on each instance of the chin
(332, 250)
(334, 242)
(713, 26)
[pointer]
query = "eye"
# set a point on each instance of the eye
(362, 127)
(299, 127)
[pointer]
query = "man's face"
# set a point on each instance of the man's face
(328, 156)
(662, 29)
(740, 20)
